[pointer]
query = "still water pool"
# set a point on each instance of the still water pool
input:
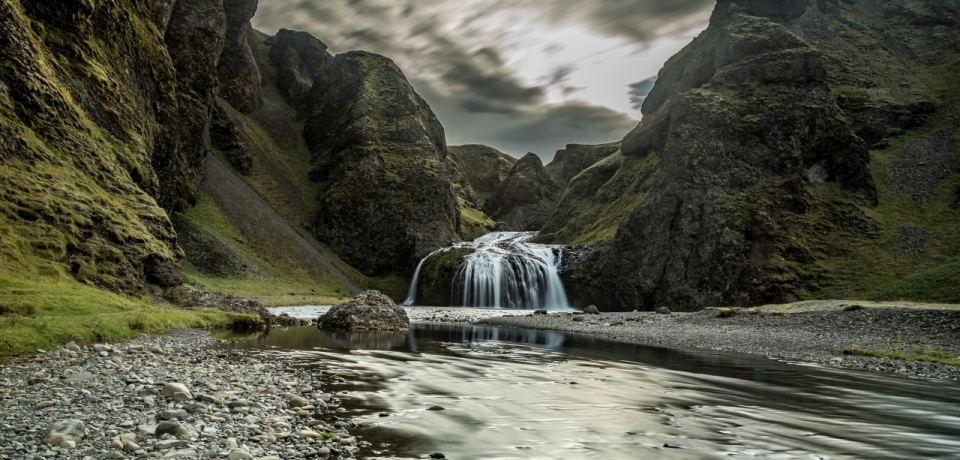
(527, 394)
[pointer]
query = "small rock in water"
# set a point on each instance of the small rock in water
(663, 310)
(437, 408)
(591, 310)
(437, 455)
(539, 312)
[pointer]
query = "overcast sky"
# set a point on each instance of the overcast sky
(518, 75)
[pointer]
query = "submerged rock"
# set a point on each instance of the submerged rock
(370, 310)
(591, 310)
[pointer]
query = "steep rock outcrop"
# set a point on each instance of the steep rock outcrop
(569, 162)
(378, 152)
(475, 172)
(749, 142)
(300, 59)
(194, 39)
(237, 68)
(478, 169)
(90, 126)
(525, 198)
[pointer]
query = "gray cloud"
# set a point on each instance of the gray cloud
(459, 68)
(639, 91)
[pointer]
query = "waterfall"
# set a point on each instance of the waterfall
(505, 270)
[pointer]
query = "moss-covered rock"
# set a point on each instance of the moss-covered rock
(88, 90)
(378, 153)
(369, 310)
(525, 198)
(747, 136)
(569, 162)
(475, 172)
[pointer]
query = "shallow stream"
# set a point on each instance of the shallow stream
(526, 394)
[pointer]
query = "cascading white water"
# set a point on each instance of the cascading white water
(505, 271)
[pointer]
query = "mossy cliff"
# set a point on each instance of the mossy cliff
(94, 101)
(103, 118)
(475, 171)
(378, 154)
(750, 178)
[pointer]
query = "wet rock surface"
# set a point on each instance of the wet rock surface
(119, 402)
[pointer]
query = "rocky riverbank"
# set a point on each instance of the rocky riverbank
(851, 335)
(167, 396)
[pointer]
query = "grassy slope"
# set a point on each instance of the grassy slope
(599, 198)
(875, 269)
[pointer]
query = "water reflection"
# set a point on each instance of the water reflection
(528, 394)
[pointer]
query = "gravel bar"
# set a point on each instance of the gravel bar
(168, 396)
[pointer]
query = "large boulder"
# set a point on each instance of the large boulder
(369, 310)
(378, 152)
(525, 198)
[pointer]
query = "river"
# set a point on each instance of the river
(523, 394)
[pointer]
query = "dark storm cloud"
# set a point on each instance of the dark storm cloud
(542, 130)
(639, 91)
(456, 66)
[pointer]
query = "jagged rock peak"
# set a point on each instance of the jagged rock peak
(240, 82)
(524, 199)
(300, 59)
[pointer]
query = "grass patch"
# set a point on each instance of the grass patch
(939, 284)
(473, 222)
(727, 312)
(46, 313)
(922, 354)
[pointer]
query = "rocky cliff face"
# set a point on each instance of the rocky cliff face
(755, 139)
(524, 199)
(569, 162)
(300, 59)
(475, 172)
(105, 118)
(237, 67)
(378, 153)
